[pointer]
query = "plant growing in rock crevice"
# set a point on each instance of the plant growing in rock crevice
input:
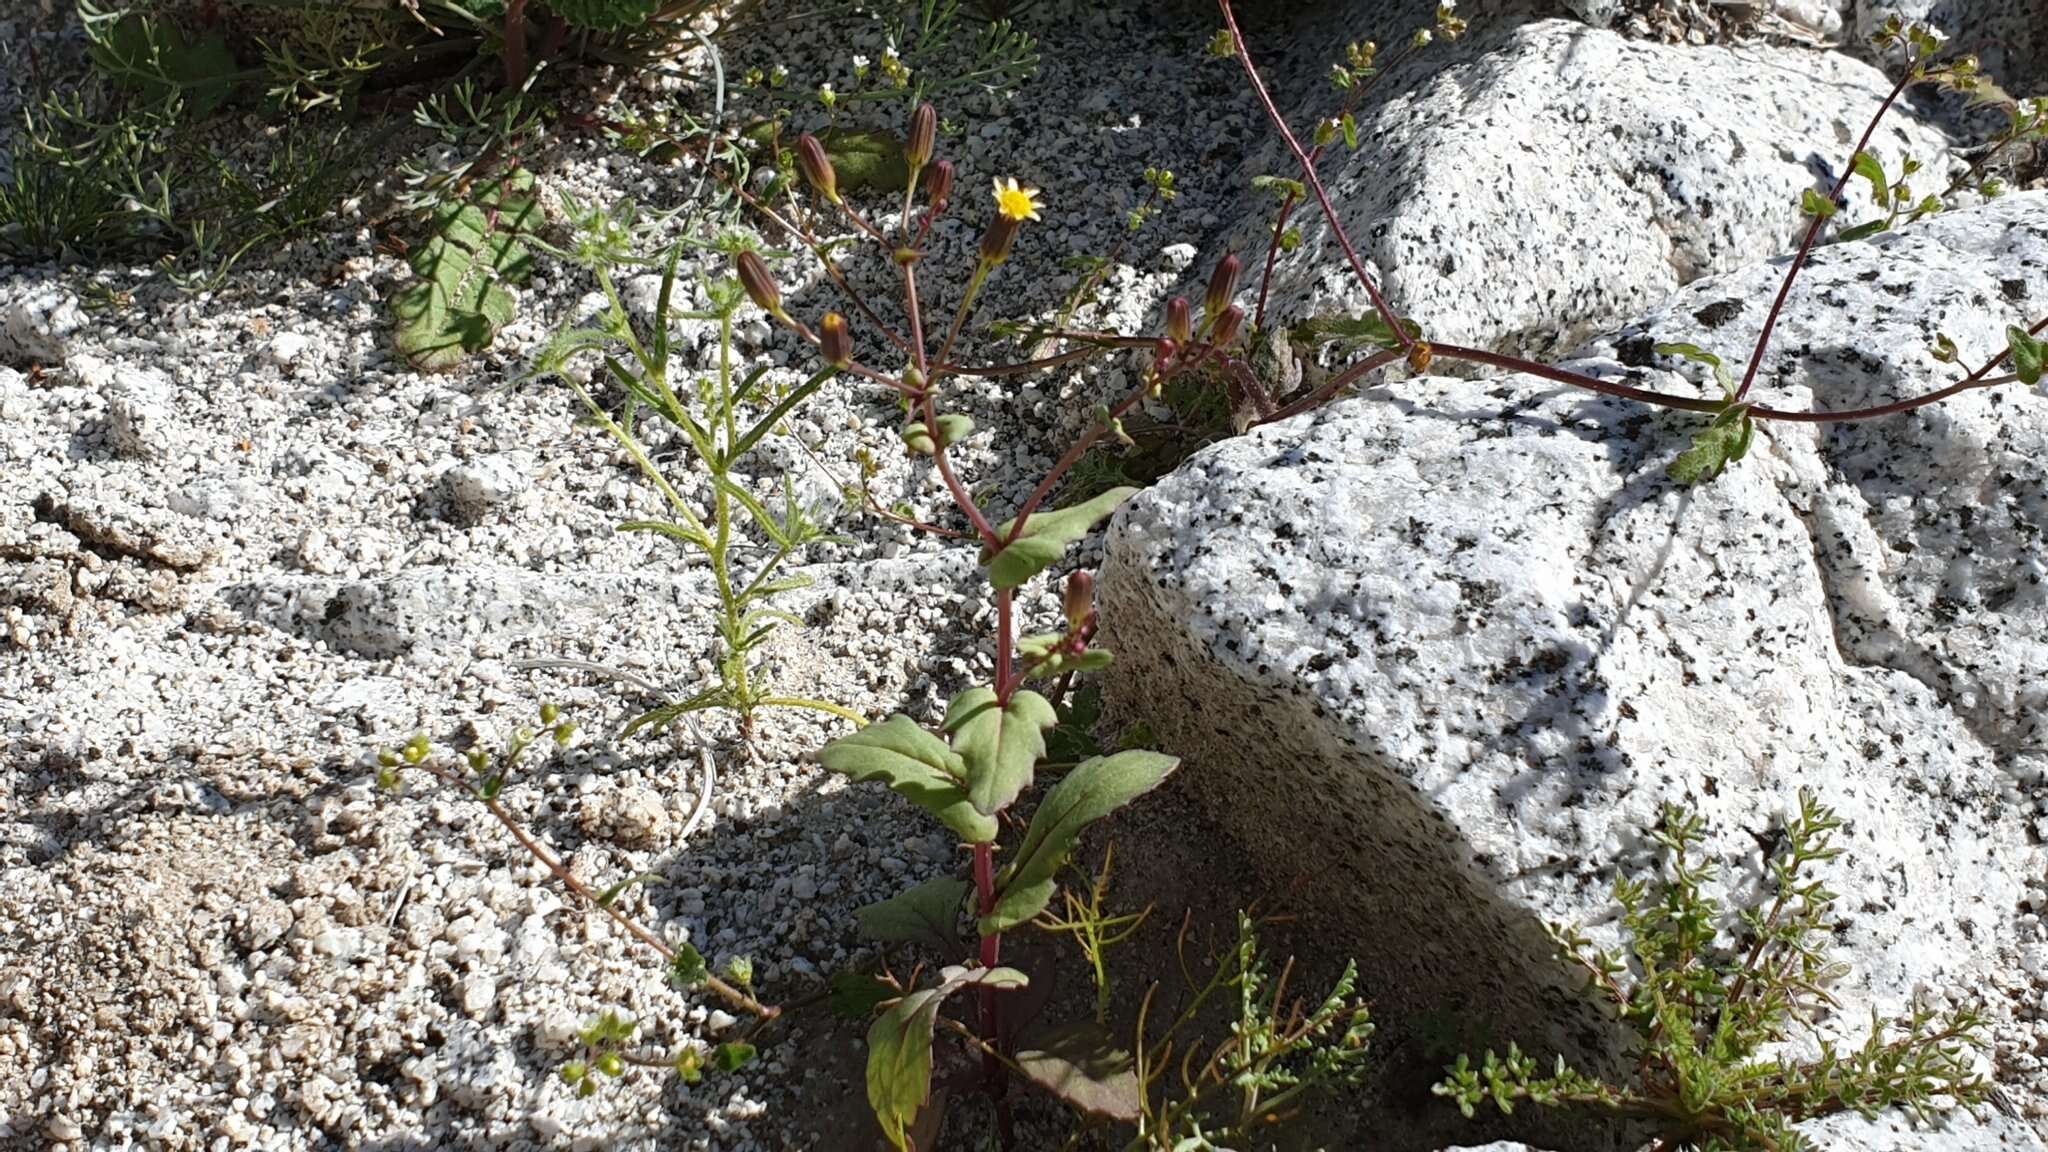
(1705, 1003)
(984, 757)
(1734, 415)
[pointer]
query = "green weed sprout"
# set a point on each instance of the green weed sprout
(1705, 1003)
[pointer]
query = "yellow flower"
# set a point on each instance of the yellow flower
(1015, 203)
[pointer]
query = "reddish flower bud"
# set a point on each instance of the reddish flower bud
(1180, 321)
(1222, 286)
(1078, 599)
(995, 243)
(760, 286)
(938, 185)
(1227, 326)
(817, 167)
(924, 133)
(835, 340)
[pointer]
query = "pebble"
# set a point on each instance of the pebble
(37, 324)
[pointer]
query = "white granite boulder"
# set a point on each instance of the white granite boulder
(1553, 178)
(1437, 655)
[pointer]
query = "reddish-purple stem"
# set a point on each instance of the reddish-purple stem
(1763, 338)
(1315, 182)
(515, 43)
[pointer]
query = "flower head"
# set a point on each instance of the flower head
(1014, 202)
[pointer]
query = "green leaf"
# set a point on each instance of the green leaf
(155, 57)
(1864, 230)
(1073, 740)
(1699, 355)
(866, 161)
(928, 914)
(1865, 165)
(918, 765)
(1081, 1064)
(732, 1055)
(856, 995)
(1046, 655)
(2027, 353)
(1280, 186)
(688, 969)
(899, 1072)
(606, 898)
(1046, 538)
(459, 301)
(1094, 789)
(999, 745)
(1815, 204)
(1720, 444)
(1352, 331)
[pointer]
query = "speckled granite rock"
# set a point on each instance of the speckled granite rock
(2009, 36)
(36, 322)
(1437, 655)
(1955, 1132)
(1560, 178)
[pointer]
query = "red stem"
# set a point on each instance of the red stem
(1273, 252)
(1696, 404)
(1315, 182)
(1080, 448)
(992, 1071)
(1763, 338)
(515, 44)
(1005, 641)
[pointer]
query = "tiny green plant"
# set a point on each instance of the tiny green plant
(931, 54)
(483, 773)
(460, 296)
(1275, 1053)
(721, 418)
(1706, 996)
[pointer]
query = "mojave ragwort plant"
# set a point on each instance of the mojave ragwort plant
(989, 748)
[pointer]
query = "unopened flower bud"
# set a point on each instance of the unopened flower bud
(924, 133)
(835, 340)
(1180, 321)
(938, 185)
(760, 286)
(996, 242)
(1222, 286)
(1419, 356)
(1078, 599)
(817, 167)
(1227, 326)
